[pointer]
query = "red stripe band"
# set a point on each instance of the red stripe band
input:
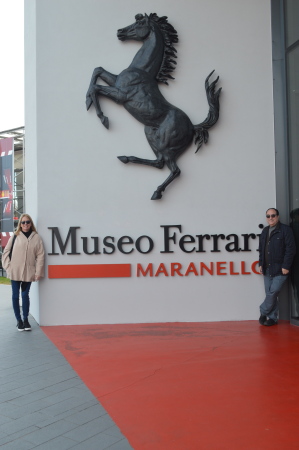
(90, 271)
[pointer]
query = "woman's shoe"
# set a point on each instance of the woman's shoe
(27, 325)
(20, 325)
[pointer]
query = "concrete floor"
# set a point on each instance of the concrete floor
(43, 402)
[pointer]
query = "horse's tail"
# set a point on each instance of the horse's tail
(201, 130)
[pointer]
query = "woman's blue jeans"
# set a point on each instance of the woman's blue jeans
(25, 287)
(273, 285)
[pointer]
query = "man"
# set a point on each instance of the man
(276, 253)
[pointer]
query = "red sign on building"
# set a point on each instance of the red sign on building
(6, 189)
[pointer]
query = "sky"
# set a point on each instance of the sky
(11, 64)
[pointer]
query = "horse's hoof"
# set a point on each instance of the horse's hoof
(105, 122)
(88, 102)
(123, 159)
(156, 195)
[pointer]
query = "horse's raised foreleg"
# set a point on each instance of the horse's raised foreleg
(157, 163)
(95, 75)
(175, 172)
(108, 91)
(91, 97)
(108, 77)
(99, 72)
(100, 114)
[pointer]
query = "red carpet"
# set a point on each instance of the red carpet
(192, 386)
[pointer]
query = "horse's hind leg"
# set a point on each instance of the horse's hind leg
(175, 172)
(157, 163)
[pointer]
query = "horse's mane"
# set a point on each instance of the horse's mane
(170, 37)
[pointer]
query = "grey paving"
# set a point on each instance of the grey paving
(43, 402)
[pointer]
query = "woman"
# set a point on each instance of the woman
(23, 265)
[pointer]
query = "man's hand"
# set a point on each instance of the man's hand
(285, 271)
(261, 269)
(37, 277)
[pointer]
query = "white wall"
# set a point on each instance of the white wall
(224, 188)
(32, 188)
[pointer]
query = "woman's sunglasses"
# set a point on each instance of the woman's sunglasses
(25, 221)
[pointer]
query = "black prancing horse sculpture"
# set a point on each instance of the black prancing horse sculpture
(168, 129)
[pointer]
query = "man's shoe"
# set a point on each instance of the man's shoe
(262, 319)
(27, 325)
(20, 325)
(270, 322)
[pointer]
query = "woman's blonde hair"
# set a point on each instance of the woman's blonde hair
(19, 229)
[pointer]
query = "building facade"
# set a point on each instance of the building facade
(113, 254)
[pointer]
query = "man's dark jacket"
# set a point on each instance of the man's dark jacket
(281, 249)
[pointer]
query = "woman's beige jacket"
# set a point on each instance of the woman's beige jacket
(27, 260)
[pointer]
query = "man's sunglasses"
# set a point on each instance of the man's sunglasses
(271, 215)
(25, 221)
